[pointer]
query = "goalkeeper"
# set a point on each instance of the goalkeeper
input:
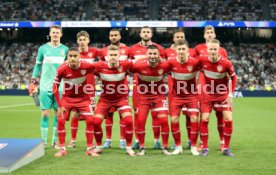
(49, 58)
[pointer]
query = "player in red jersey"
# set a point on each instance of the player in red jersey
(218, 92)
(184, 94)
(170, 53)
(201, 50)
(115, 37)
(151, 90)
(209, 34)
(139, 51)
(112, 74)
(88, 54)
(74, 74)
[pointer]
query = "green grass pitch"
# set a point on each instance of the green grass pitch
(253, 143)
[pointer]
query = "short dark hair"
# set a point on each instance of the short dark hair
(73, 49)
(112, 47)
(182, 42)
(179, 30)
(146, 27)
(152, 47)
(115, 30)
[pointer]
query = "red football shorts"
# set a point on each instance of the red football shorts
(81, 107)
(104, 106)
(157, 104)
(178, 104)
(206, 106)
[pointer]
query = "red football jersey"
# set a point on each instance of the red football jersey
(201, 50)
(90, 57)
(148, 77)
(75, 82)
(215, 77)
(138, 51)
(184, 77)
(114, 87)
(124, 52)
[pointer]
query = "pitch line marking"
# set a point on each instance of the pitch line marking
(1, 107)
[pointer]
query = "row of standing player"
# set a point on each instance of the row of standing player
(137, 51)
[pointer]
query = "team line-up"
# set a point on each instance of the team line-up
(199, 80)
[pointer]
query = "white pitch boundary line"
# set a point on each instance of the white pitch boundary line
(1, 107)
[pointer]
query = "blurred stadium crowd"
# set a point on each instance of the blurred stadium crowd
(243, 10)
(255, 63)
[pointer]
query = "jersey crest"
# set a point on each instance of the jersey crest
(62, 52)
(190, 68)
(83, 72)
(160, 71)
(219, 68)
(120, 69)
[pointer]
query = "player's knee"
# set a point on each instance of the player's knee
(128, 120)
(194, 118)
(46, 113)
(89, 120)
(162, 116)
(227, 115)
(228, 118)
(174, 119)
(74, 114)
(125, 114)
(97, 121)
(205, 117)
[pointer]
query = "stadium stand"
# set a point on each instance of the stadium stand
(210, 10)
(273, 9)
(42, 10)
(15, 10)
(17, 62)
(121, 10)
(255, 65)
